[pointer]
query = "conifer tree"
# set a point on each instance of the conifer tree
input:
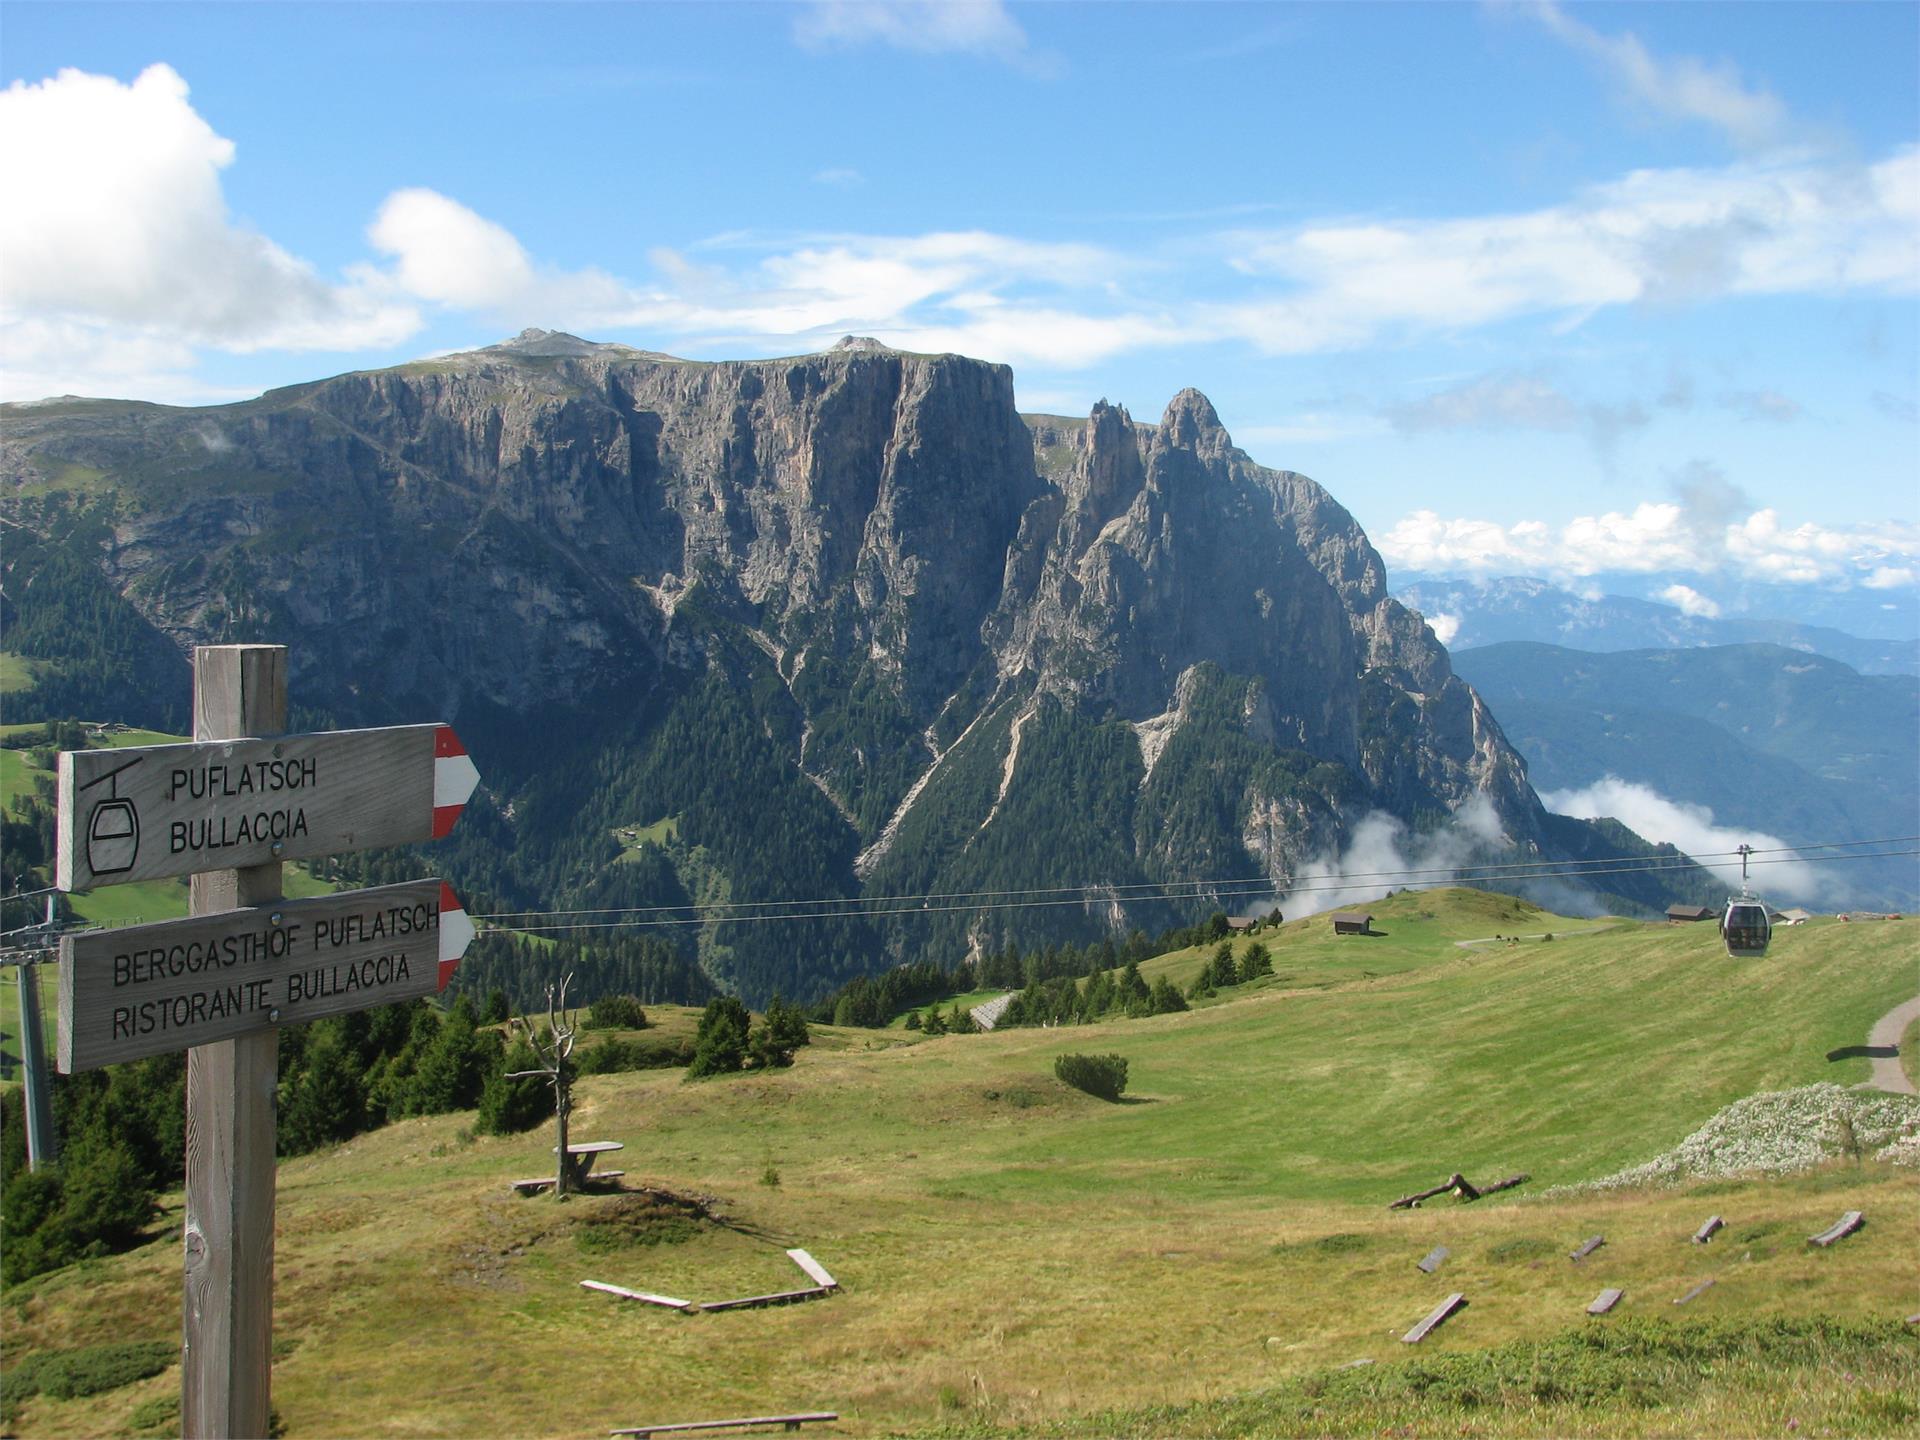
(1255, 963)
(720, 1047)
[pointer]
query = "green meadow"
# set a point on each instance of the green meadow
(1200, 1258)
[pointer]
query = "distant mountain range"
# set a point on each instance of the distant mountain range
(1794, 745)
(1471, 613)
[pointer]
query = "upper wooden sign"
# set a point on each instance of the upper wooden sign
(152, 811)
(150, 989)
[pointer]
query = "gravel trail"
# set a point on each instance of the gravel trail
(1888, 1075)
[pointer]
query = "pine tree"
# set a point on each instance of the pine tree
(508, 1106)
(1255, 963)
(1166, 997)
(326, 1102)
(721, 1045)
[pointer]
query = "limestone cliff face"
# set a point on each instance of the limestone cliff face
(549, 520)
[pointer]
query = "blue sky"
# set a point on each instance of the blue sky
(1531, 288)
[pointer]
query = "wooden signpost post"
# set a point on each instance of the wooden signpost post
(227, 809)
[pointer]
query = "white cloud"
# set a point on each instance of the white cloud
(117, 233)
(447, 255)
(1691, 536)
(1382, 855)
(1690, 601)
(1497, 401)
(978, 27)
(1444, 627)
(1653, 236)
(1890, 577)
(1507, 401)
(119, 238)
(1682, 88)
(1690, 829)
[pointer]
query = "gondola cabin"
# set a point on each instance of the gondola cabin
(1746, 928)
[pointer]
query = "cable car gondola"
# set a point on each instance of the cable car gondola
(1745, 926)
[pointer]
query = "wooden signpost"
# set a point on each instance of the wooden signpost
(153, 989)
(227, 809)
(149, 812)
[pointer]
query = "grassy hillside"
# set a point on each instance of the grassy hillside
(1018, 1253)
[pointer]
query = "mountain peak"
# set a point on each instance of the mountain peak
(856, 342)
(1191, 420)
(537, 342)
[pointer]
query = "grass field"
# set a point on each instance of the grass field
(965, 1002)
(1018, 1254)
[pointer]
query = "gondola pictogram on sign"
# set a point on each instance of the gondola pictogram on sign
(170, 810)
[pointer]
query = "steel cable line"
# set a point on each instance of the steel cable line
(877, 909)
(1228, 888)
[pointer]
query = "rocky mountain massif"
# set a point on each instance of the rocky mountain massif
(814, 630)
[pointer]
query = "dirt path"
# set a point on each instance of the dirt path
(1884, 1041)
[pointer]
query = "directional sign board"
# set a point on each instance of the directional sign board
(152, 811)
(151, 989)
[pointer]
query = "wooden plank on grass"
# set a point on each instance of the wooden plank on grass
(1435, 1318)
(1436, 1257)
(814, 1269)
(1588, 1246)
(780, 1297)
(791, 1422)
(641, 1295)
(1696, 1291)
(1706, 1231)
(1605, 1301)
(1839, 1230)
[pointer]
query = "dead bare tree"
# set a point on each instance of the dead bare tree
(552, 1050)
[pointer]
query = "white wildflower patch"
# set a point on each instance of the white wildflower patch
(1780, 1132)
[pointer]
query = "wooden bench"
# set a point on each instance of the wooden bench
(1840, 1229)
(1706, 1231)
(580, 1158)
(642, 1295)
(1605, 1301)
(791, 1422)
(1435, 1319)
(543, 1181)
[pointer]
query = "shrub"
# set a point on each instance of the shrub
(70, 1374)
(1102, 1075)
(616, 1012)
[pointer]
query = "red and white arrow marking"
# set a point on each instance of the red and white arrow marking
(456, 932)
(454, 779)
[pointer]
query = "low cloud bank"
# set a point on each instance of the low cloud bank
(1693, 830)
(1384, 855)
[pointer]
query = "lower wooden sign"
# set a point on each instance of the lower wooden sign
(152, 989)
